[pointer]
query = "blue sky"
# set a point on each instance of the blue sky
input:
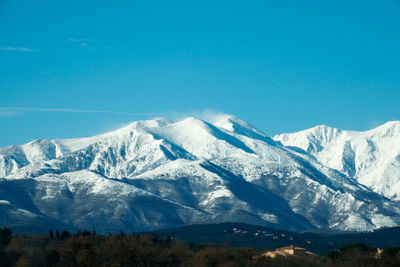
(78, 68)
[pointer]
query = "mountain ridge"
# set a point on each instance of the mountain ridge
(371, 157)
(164, 173)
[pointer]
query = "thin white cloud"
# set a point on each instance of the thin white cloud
(87, 43)
(14, 48)
(82, 40)
(209, 115)
(9, 113)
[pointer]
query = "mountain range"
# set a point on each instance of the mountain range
(163, 173)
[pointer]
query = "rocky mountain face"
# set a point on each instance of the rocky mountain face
(162, 173)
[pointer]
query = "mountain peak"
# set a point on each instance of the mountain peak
(324, 132)
(311, 140)
(234, 124)
(323, 127)
(157, 122)
(391, 128)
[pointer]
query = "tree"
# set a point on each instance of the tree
(65, 234)
(391, 252)
(5, 237)
(332, 254)
(353, 248)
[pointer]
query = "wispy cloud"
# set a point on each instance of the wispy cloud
(209, 115)
(79, 40)
(84, 42)
(88, 43)
(9, 113)
(14, 48)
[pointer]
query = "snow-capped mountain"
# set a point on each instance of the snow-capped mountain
(371, 157)
(163, 173)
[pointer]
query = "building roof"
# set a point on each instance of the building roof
(291, 247)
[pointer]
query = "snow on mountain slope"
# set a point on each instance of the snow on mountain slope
(38, 151)
(163, 173)
(372, 157)
(237, 126)
(87, 200)
(202, 139)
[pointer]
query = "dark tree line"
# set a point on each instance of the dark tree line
(87, 248)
